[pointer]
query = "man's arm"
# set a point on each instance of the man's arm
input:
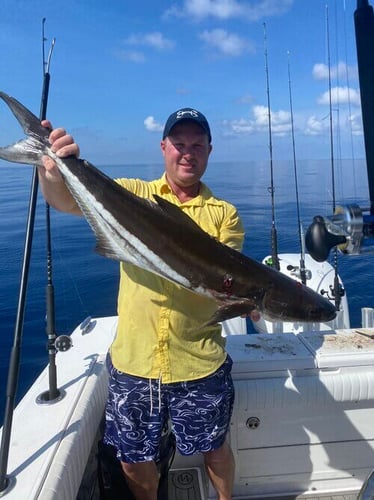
(51, 182)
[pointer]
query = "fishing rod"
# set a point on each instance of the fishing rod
(303, 272)
(337, 290)
(53, 393)
(273, 233)
(14, 363)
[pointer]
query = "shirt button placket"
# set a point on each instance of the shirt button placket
(163, 334)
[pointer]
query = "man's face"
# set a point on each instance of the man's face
(186, 151)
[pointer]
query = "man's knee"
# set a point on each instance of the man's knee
(143, 471)
(221, 454)
(142, 479)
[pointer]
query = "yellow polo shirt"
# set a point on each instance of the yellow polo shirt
(159, 333)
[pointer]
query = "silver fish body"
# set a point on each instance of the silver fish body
(158, 237)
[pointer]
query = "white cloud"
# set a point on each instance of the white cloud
(280, 120)
(261, 115)
(154, 39)
(240, 127)
(340, 95)
(341, 70)
(152, 125)
(227, 9)
(227, 43)
(315, 126)
(352, 124)
(355, 123)
(259, 122)
(223, 9)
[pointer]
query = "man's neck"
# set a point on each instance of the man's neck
(185, 193)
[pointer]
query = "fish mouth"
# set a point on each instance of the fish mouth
(328, 314)
(321, 310)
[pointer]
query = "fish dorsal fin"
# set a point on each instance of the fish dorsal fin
(176, 213)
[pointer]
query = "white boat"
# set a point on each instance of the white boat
(302, 425)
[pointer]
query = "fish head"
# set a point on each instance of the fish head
(296, 302)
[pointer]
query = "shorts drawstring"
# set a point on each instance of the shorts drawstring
(151, 394)
(159, 394)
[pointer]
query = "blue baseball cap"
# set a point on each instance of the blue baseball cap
(185, 114)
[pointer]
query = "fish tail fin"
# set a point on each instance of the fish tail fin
(31, 149)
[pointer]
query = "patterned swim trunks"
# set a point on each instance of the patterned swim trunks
(139, 410)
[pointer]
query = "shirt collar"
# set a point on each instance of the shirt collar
(204, 195)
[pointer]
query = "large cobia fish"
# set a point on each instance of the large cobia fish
(159, 237)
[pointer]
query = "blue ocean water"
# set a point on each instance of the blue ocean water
(86, 284)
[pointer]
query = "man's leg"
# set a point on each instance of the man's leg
(134, 424)
(220, 465)
(142, 479)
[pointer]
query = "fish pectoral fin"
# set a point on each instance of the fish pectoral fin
(102, 248)
(231, 309)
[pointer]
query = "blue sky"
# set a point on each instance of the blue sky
(120, 67)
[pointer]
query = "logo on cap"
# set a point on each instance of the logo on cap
(191, 112)
(186, 114)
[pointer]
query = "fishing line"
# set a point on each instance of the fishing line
(71, 280)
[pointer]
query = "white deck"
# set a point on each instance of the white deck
(304, 413)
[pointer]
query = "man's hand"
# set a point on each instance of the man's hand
(63, 145)
(52, 184)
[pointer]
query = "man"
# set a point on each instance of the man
(162, 363)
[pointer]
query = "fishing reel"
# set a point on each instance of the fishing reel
(350, 229)
(61, 343)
